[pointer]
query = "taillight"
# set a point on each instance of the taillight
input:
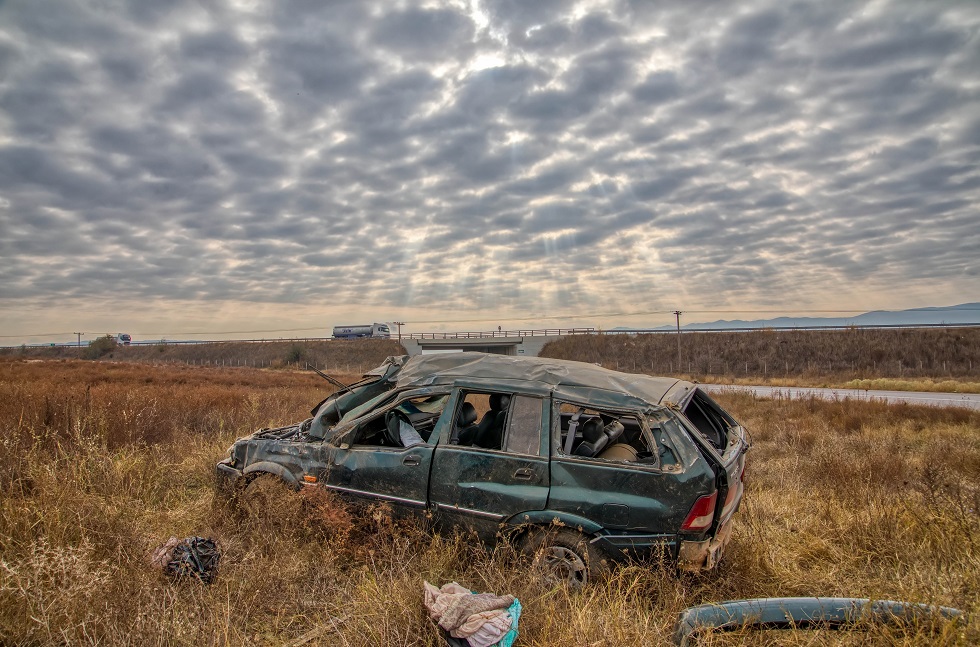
(701, 515)
(730, 497)
(733, 490)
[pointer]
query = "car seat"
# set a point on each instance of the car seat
(614, 430)
(465, 432)
(619, 452)
(596, 436)
(594, 440)
(490, 431)
(393, 420)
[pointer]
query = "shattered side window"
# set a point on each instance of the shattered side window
(410, 421)
(682, 453)
(524, 426)
(661, 446)
(360, 410)
(430, 404)
(601, 434)
(481, 419)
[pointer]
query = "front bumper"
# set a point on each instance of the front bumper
(704, 555)
(227, 477)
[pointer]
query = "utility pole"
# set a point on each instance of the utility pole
(399, 324)
(678, 313)
(79, 338)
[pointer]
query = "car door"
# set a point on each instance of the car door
(370, 466)
(399, 476)
(637, 500)
(478, 487)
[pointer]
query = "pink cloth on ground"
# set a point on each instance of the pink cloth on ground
(479, 618)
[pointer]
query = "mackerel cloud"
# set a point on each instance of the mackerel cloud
(502, 155)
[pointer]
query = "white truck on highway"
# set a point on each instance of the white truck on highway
(376, 330)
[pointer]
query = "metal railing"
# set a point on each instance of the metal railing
(672, 330)
(539, 332)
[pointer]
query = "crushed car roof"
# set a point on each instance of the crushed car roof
(446, 368)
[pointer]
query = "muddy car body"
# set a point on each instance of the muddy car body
(621, 463)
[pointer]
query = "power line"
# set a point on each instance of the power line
(524, 317)
(45, 334)
(670, 312)
(539, 318)
(170, 334)
(231, 332)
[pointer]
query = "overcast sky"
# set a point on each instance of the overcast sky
(173, 167)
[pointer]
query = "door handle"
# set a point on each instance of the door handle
(524, 474)
(412, 460)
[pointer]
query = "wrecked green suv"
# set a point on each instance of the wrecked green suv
(577, 463)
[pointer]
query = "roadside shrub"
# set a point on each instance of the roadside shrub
(295, 354)
(100, 347)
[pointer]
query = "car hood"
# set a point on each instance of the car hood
(446, 368)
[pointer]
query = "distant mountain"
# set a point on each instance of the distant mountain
(959, 314)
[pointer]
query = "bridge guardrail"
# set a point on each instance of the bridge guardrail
(540, 332)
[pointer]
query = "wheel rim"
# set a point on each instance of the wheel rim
(564, 564)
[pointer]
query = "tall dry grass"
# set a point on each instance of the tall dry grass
(802, 356)
(100, 462)
(347, 356)
(916, 359)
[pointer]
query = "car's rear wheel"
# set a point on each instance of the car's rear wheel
(565, 556)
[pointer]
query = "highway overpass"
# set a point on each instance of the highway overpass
(508, 342)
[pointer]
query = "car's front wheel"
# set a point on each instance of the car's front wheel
(263, 494)
(565, 555)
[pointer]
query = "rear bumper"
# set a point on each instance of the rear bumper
(704, 555)
(797, 613)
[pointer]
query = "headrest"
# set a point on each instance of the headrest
(467, 415)
(614, 430)
(499, 401)
(592, 430)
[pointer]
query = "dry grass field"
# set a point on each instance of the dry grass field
(100, 462)
(877, 384)
(910, 359)
(905, 360)
(351, 356)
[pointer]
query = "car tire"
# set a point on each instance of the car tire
(565, 556)
(261, 494)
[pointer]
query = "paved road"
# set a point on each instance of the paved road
(968, 400)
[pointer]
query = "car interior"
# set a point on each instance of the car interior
(488, 433)
(708, 420)
(605, 435)
(385, 429)
(481, 420)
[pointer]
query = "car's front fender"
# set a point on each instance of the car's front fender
(275, 469)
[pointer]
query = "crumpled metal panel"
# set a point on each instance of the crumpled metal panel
(423, 370)
(786, 613)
